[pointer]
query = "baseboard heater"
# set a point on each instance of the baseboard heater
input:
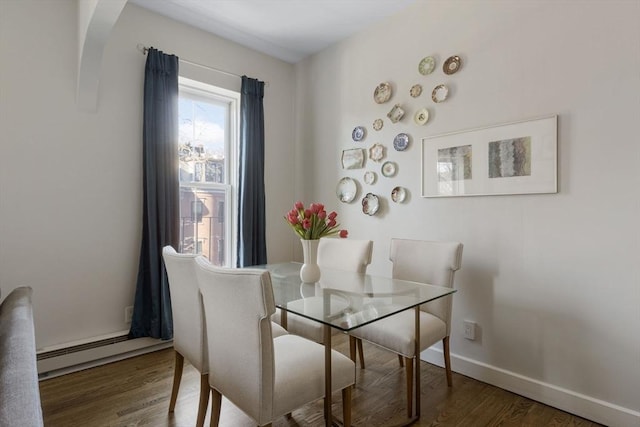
(83, 354)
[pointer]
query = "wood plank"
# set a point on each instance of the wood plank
(136, 392)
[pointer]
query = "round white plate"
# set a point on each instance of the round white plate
(398, 194)
(370, 177)
(427, 65)
(382, 93)
(388, 169)
(346, 190)
(422, 116)
(370, 204)
(401, 142)
(358, 133)
(440, 93)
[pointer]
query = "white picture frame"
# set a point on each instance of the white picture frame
(512, 158)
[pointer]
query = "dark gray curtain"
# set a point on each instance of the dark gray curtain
(160, 222)
(252, 245)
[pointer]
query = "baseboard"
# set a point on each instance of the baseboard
(79, 360)
(575, 403)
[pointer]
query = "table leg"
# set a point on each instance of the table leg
(417, 362)
(328, 418)
(283, 318)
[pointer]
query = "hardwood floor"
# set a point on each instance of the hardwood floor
(135, 392)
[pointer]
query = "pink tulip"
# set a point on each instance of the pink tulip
(343, 233)
(306, 224)
(314, 208)
(322, 214)
(293, 220)
(333, 215)
(331, 223)
(299, 205)
(320, 206)
(307, 213)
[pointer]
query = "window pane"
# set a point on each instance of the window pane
(202, 223)
(202, 140)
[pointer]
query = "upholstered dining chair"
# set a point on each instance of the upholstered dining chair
(429, 262)
(265, 377)
(336, 254)
(188, 322)
(189, 340)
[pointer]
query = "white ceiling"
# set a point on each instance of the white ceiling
(286, 29)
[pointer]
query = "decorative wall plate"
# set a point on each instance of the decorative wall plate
(369, 177)
(422, 116)
(395, 114)
(401, 142)
(388, 169)
(346, 190)
(451, 65)
(376, 152)
(370, 204)
(398, 194)
(415, 91)
(358, 133)
(427, 65)
(440, 93)
(382, 93)
(377, 124)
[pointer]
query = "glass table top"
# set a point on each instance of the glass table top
(346, 300)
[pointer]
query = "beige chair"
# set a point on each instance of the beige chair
(429, 262)
(265, 377)
(188, 321)
(336, 254)
(189, 340)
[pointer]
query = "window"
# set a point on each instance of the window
(208, 134)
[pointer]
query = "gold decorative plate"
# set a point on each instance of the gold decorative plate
(452, 64)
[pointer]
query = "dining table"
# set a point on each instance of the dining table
(344, 301)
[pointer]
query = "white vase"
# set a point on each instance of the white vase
(310, 272)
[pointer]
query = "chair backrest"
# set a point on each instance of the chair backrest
(238, 304)
(186, 307)
(345, 254)
(429, 262)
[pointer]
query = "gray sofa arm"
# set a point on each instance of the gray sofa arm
(20, 403)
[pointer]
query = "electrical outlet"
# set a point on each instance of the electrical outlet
(469, 329)
(128, 314)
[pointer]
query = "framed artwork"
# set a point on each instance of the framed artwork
(353, 158)
(513, 158)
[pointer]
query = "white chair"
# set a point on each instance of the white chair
(188, 321)
(336, 254)
(265, 377)
(189, 339)
(429, 262)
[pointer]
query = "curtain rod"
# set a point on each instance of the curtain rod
(142, 48)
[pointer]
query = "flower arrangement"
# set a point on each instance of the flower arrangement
(314, 222)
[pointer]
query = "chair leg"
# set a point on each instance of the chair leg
(409, 363)
(352, 348)
(204, 399)
(177, 376)
(346, 406)
(447, 360)
(359, 341)
(401, 360)
(216, 404)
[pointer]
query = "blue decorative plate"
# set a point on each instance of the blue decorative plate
(358, 133)
(401, 142)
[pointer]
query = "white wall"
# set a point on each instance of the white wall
(552, 280)
(70, 181)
